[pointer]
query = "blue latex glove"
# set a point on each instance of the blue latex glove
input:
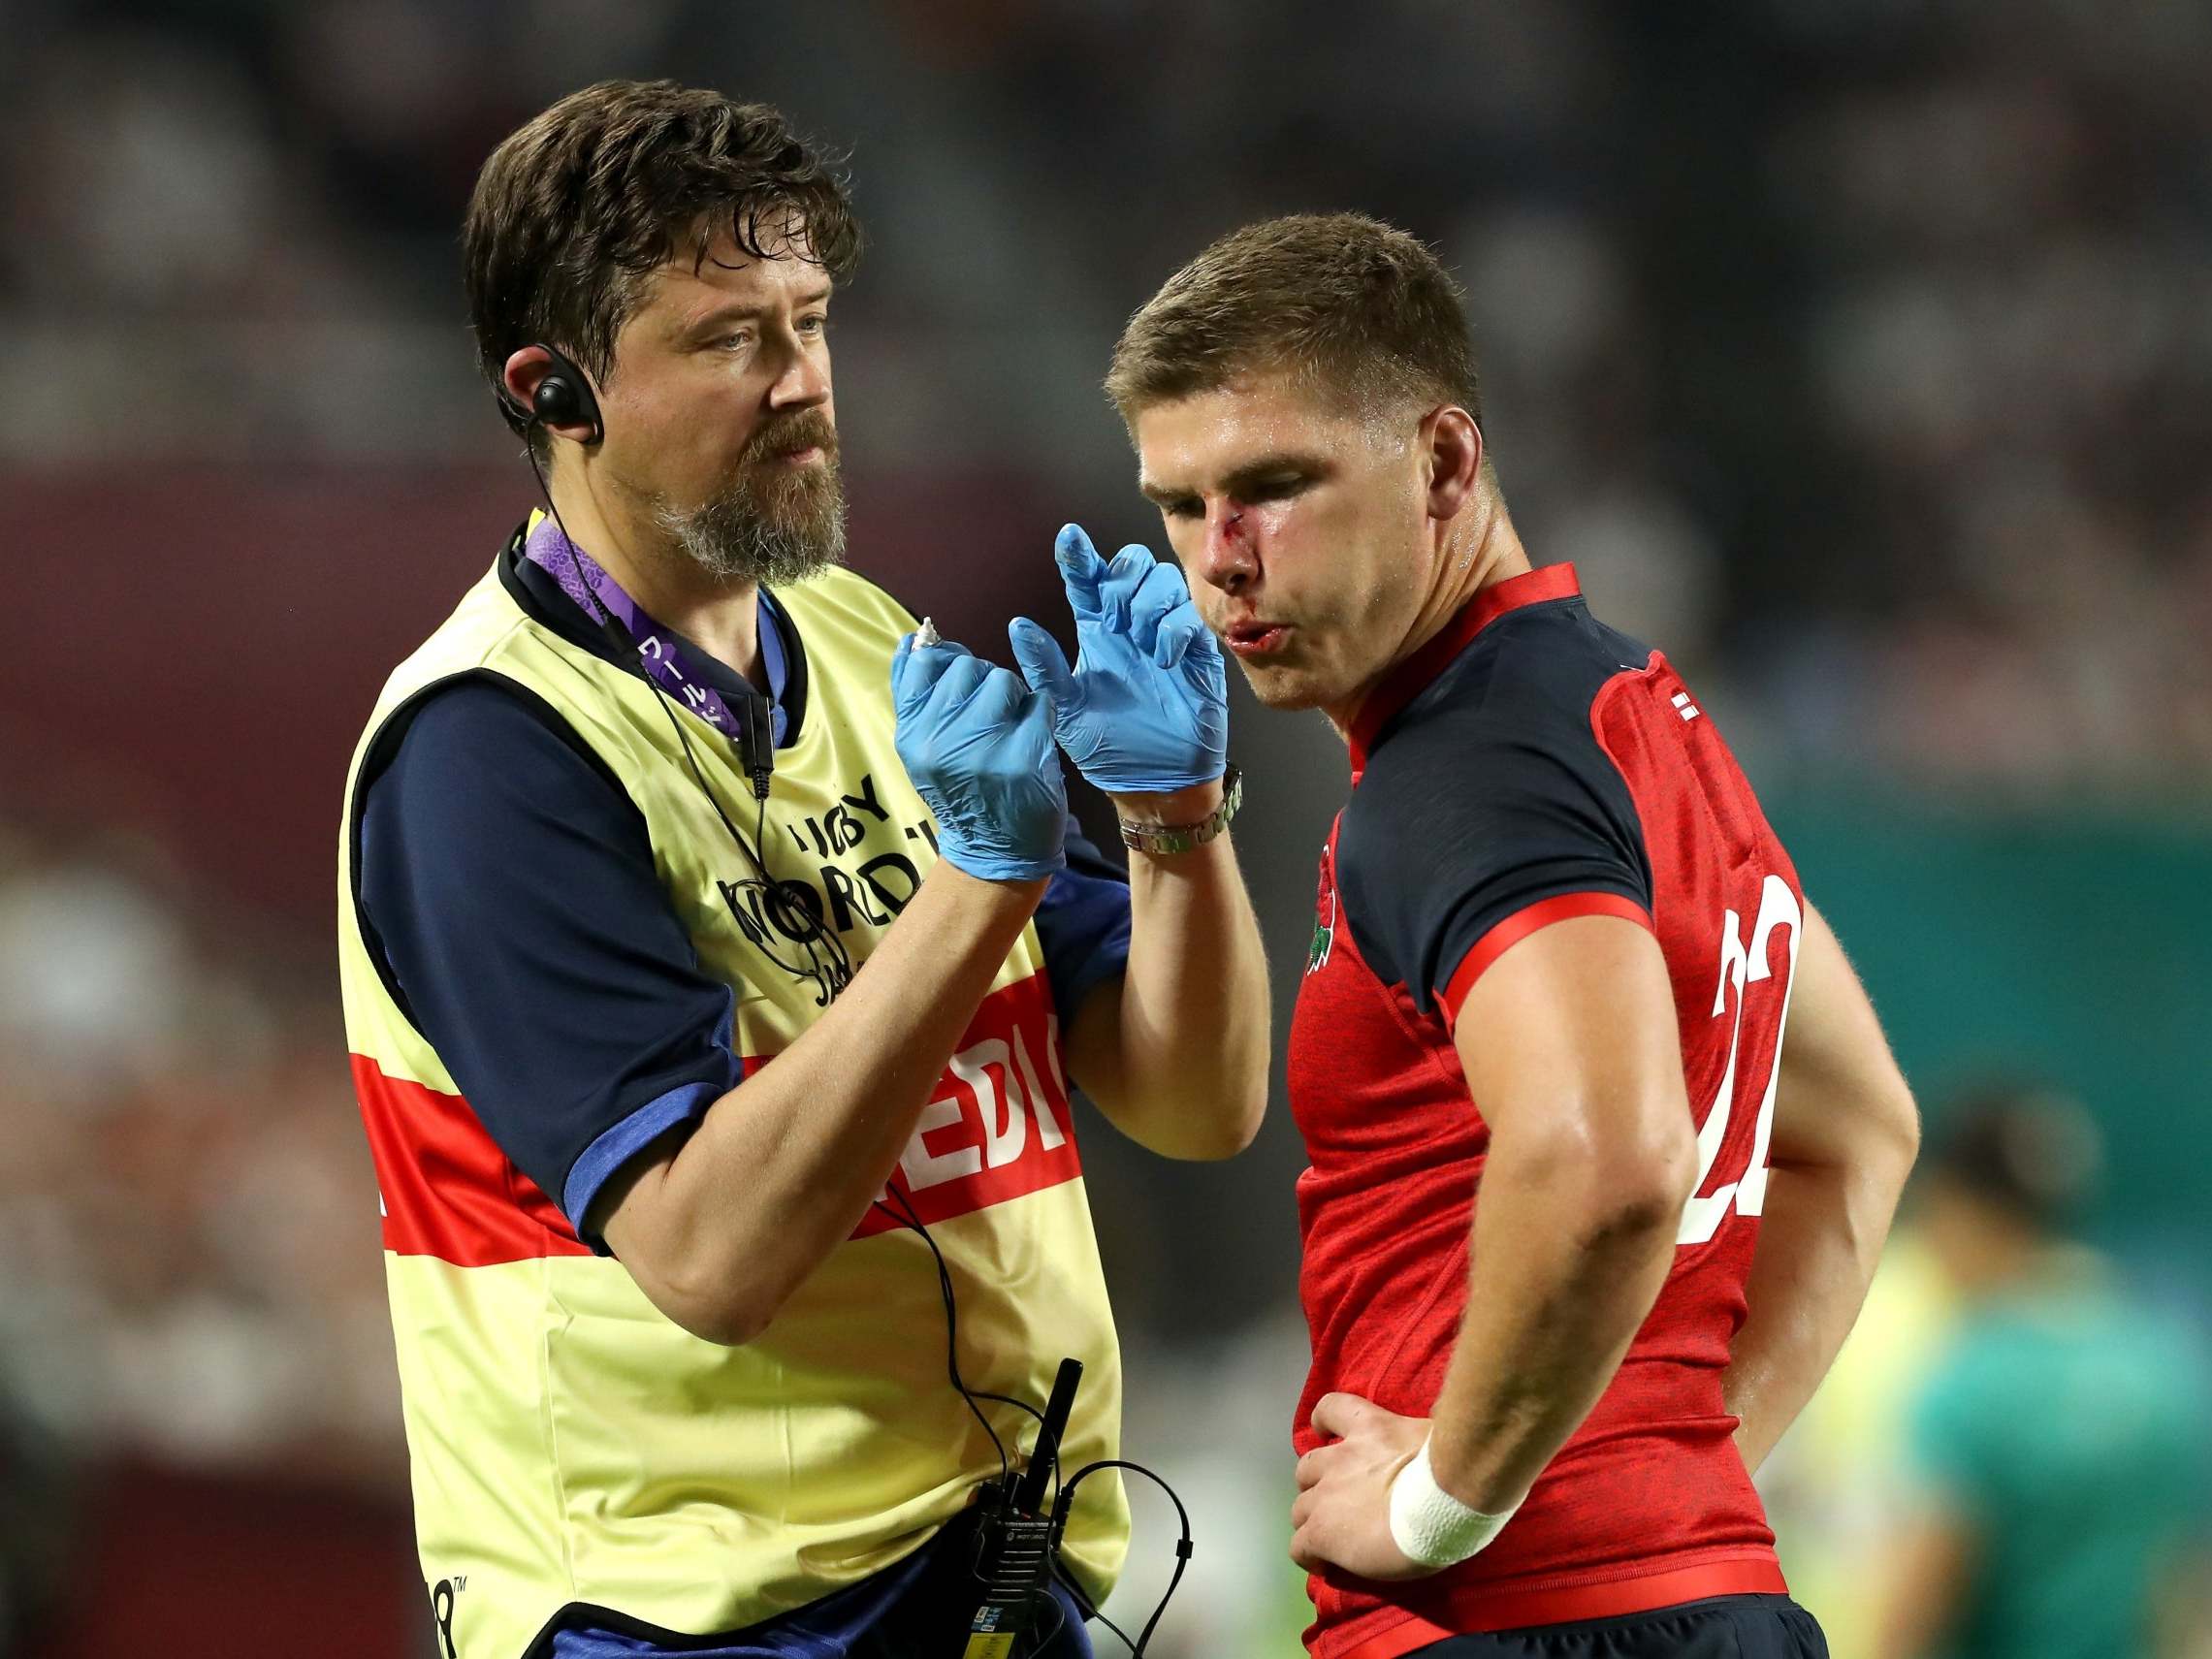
(1146, 709)
(979, 749)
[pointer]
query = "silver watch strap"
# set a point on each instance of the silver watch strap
(1181, 838)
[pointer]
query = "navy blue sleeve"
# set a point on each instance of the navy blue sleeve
(1464, 824)
(1082, 922)
(511, 885)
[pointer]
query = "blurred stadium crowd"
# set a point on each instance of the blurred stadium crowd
(1862, 346)
(1859, 351)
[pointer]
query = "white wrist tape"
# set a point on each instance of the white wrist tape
(1432, 1528)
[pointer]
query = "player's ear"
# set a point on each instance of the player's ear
(1454, 446)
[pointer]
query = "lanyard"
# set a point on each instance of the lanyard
(661, 652)
(790, 933)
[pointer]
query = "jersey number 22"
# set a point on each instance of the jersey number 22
(1743, 969)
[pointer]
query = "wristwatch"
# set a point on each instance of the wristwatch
(1181, 838)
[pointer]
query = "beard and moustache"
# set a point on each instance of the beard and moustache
(772, 523)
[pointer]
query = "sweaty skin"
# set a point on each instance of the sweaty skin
(1356, 539)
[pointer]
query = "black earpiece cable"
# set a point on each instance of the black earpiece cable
(1182, 1551)
(634, 657)
(1065, 1492)
(811, 931)
(1059, 1622)
(914, 1222)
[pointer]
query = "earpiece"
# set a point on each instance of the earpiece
(562, 399)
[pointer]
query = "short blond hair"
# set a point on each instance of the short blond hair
(1361, 309)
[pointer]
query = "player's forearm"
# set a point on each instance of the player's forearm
(1179, 1060)
(1571, 1247)
(1820, 1241)
(780, 1169)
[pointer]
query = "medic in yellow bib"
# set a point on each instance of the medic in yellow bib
(671, 796)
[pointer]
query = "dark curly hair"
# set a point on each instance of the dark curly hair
(575, 209)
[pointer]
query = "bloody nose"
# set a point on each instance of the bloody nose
(1231, 560)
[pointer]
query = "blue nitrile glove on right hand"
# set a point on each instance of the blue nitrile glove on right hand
(1146, 709)
(977, 744)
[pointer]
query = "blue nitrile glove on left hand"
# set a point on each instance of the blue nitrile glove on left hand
(1146, 709)
(977, 746)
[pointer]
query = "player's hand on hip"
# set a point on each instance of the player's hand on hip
(977, 744)
(1342, 1516)
(1146, 709)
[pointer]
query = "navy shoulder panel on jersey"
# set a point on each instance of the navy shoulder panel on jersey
(1487, 793)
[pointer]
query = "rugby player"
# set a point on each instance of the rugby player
(1539, 1056)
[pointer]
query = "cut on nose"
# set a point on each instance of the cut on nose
(1229, 555)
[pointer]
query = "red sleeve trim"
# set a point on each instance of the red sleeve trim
(1520, 925)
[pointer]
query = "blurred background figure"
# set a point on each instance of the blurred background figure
(1859, 353)
(2060, 1449)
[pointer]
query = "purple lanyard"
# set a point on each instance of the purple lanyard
(599, 595)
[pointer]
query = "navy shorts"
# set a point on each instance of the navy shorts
(1722, 1627)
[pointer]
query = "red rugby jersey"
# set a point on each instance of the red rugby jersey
(1528, 765)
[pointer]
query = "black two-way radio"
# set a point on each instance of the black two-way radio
(1020, 1536)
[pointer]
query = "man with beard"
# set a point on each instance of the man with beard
(1538, 1056)
(678, 1200)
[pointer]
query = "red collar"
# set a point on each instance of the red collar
(1399, 685)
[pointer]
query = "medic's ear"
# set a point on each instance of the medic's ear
(540, 387)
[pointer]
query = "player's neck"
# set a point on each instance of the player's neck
(1487, 551)
(721, 617)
